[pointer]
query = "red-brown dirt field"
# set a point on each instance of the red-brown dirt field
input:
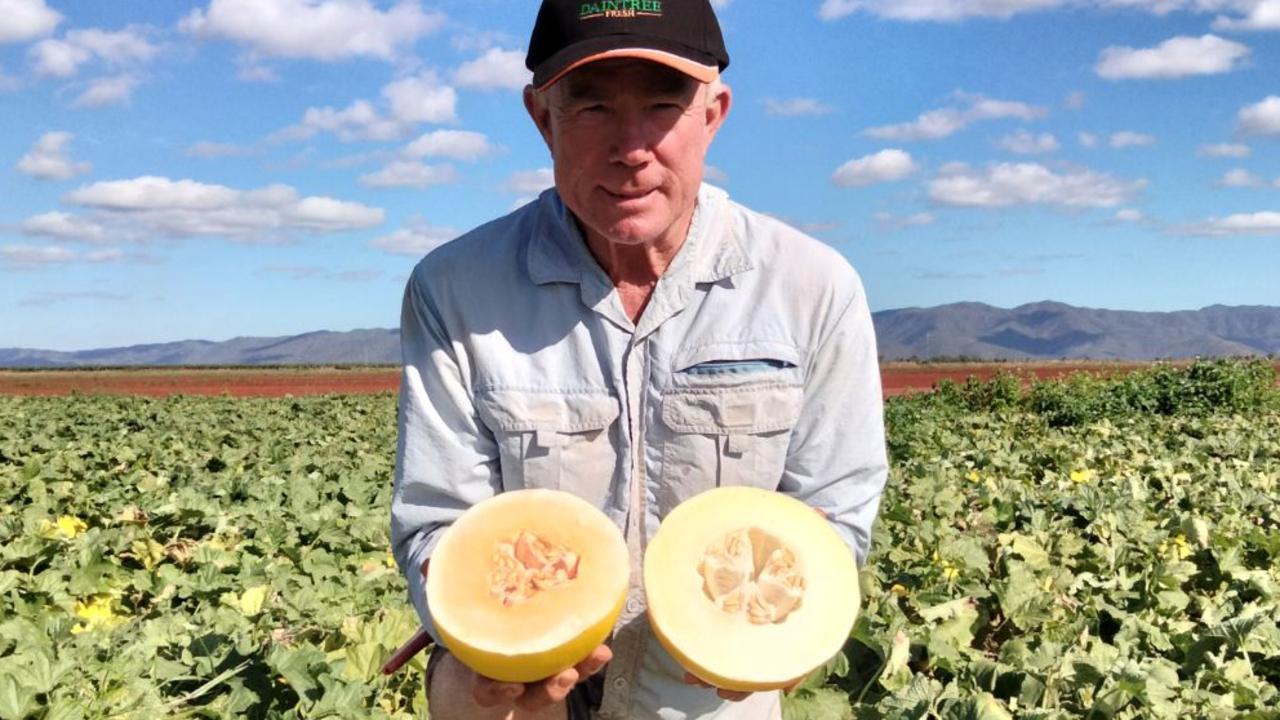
(897, 378)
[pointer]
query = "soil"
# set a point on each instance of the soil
(237, 382)
(897, 378)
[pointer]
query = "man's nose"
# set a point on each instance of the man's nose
(632, 139)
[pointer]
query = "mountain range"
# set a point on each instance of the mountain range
(969, 330)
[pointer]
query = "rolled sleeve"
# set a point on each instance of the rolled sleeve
(837, 460)
(446, 460)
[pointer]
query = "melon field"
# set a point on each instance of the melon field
(1079, 548)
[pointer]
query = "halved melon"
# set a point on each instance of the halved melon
(749, 589)
(527, 583)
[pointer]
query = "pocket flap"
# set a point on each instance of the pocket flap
(527, 411)
(726, 411)
(749, 350)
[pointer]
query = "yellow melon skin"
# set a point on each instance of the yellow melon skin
(725, 650)
(531, 667)
(550, 632)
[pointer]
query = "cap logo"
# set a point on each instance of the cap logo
(620, 9)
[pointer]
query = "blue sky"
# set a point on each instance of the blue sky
(174, 170)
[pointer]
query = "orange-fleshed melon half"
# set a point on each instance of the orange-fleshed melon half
(749, 589)
(527, 583)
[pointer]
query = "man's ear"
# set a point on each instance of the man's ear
(539, 112)
(718, 109)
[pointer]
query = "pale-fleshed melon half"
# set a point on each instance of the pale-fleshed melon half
(527, 583)
(749, 589)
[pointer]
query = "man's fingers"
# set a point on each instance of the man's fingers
(691, 679)
(552, 690)
(733, 695)
(594, 663)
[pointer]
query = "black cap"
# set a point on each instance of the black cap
(682, 34)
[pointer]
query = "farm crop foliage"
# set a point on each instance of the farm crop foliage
(1082, 548)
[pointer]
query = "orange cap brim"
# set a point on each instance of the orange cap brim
(699, 72)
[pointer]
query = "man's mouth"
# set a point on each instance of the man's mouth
(628, 194)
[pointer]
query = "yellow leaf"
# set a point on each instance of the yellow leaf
(251, 600)
(1081, 476)
(97, 613)
(66, 527)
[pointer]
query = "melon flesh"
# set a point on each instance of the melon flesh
(749, 589)
(527, 583)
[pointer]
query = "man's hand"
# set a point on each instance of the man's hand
(537, 695)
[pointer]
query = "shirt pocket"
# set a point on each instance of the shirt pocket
(556, 440)
(728, 422)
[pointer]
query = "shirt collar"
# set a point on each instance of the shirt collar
(711, 252)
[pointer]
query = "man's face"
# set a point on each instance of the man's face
(628, 139)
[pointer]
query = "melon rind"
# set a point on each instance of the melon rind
(736, 655)
(569, 622)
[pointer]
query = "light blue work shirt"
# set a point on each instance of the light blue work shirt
(754, 363)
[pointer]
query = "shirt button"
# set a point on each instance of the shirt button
(633, 606)
(620, 683)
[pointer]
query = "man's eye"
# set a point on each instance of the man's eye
(593, 109)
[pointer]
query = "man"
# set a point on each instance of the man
(633, 337)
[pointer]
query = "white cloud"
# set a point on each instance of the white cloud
(30, 256)
(1023, 142)
(325, 30)
(1087, 140)
(26, 20)
(63, 58)
(1263, 15)
(496, 69)
(720, 4)
(47, 298)
(1259, 14)
(795, 107)
(153, 193)
(1258, 223)
(158, 207)
(410, 173)
(105, 256)
(1224, 150)
(530, 182)
(255, 73)
(474, 40)
(1075, 100)
(415, 240)
(206, 149)
(358, 121)
(64, 226)
(108, 91)
(1261, 118)
(937, 124)
(1240, 178)
(933, 10)
(1129, 215)
(456, 144)
(1127, 139)
(713, 174)
(1010, 184)
(409, 101)
(885, 166)
(421, 99)
(48, 159)
(892, 223)
(1177, 57)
